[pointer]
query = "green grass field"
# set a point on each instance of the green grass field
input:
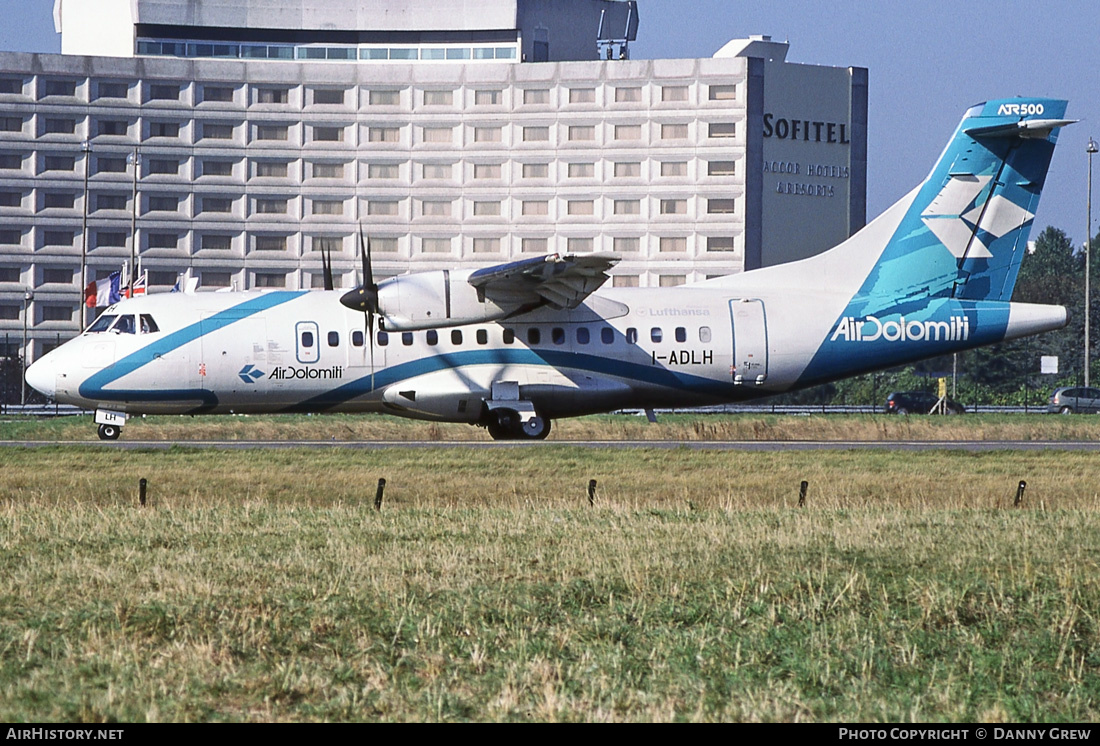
(262, 585)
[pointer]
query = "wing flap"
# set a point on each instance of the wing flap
(559, 281)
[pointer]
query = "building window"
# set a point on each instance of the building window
(217, 94)
(11, 124)
(435, 245)
(383, 134)
(674, 207)
(582, 132)
(57, 126)
(536, 96)
(270, 280)
(11, 199)
(628, 207)
(626, 170)
(674, 131)
(272, 169)
(582, 95)
(9, 313)
(383, 245)
(216, 279)
(578, 245)
(57, 238)
(486, 170)
(720, 206)
(486, 209)
(671, 281)
(722, 129)
(536, 134)
(674, 93)
(328, 170)
(673, 244)
(487, 134)
(12, 86)
(113, 90)
(328, 134)
(274, 132)
(217, 168)
(163, 241)
(674, 168)
(58, 163)
(163, 166)
(210, 242)
(720, 168)
(486, 245)
(11, 161)
(382, 171)
(272, 95)
(581, 170)
(487, 98)
(380, 207)
(439, 98)
(580, 207)
(721, 243)
(384, 98)
(271, 206)
(722, 92)
(328, 96)
(535, 207)
(269, 243)
(110, 238)
(438, 135)
(431, 208)
(164, 92)
(62, 200)
(628, 132)
(217, 204)
(536, 170)
(438, 171)
(110, 201)
(533, 245)
(112, 127)
(211, 131)
(632, 94)
(164, 129)
(10, 237)
(627, 244)
(57, 313)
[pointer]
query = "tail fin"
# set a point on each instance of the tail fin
(965, 232)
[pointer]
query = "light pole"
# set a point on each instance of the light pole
(1091, 149)
(27, 298)
(86, 148)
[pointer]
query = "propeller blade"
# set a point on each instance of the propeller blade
(326, 267)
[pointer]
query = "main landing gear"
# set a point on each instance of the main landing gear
(109, 432)
(506, 424)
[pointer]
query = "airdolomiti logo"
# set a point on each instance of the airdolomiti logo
(872, 329)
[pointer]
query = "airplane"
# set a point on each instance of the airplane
(514, 346)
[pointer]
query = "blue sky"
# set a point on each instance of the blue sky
(928, 62)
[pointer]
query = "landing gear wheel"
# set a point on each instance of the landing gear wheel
(505, 426)
(536, 428)
(109, 432)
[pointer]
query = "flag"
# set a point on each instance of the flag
(100, 293)
(141, 284)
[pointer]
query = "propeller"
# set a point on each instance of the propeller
(326, 267)
(365, 298)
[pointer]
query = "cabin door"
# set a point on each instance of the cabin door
(750, 342)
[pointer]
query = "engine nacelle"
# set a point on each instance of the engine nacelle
(430, 300)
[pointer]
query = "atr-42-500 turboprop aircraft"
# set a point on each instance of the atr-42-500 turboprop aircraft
(513, 346)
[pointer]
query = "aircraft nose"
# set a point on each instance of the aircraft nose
(42, 375)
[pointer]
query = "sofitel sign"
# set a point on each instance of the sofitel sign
(805, 130)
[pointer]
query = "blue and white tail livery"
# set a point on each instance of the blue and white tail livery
(513, 346)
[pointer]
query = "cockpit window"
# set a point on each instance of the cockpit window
(124, 325)
(148, 326)
(102, 323)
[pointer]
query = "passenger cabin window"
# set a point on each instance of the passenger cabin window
(533, 336)
(407, 338)
(148, 326)
(681, 334)
(456, 337)
(433, 337)
(102, 324)
(655, 334)
(632, 336)
(357, 339)
(704, 334)
(509, 336)
(482, 337)
(383, 339)
(607, 335)
(582, 335)
(557, 334)
(334, 339)
(307, 339)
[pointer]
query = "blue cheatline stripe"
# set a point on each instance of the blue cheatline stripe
(561, 360)
(93, 386)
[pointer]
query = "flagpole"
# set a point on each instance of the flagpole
(86, 148)
(133, 224)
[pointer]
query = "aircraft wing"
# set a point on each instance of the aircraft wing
(555, 280)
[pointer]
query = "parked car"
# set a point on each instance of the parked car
(918, 402)
(1073, 399)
